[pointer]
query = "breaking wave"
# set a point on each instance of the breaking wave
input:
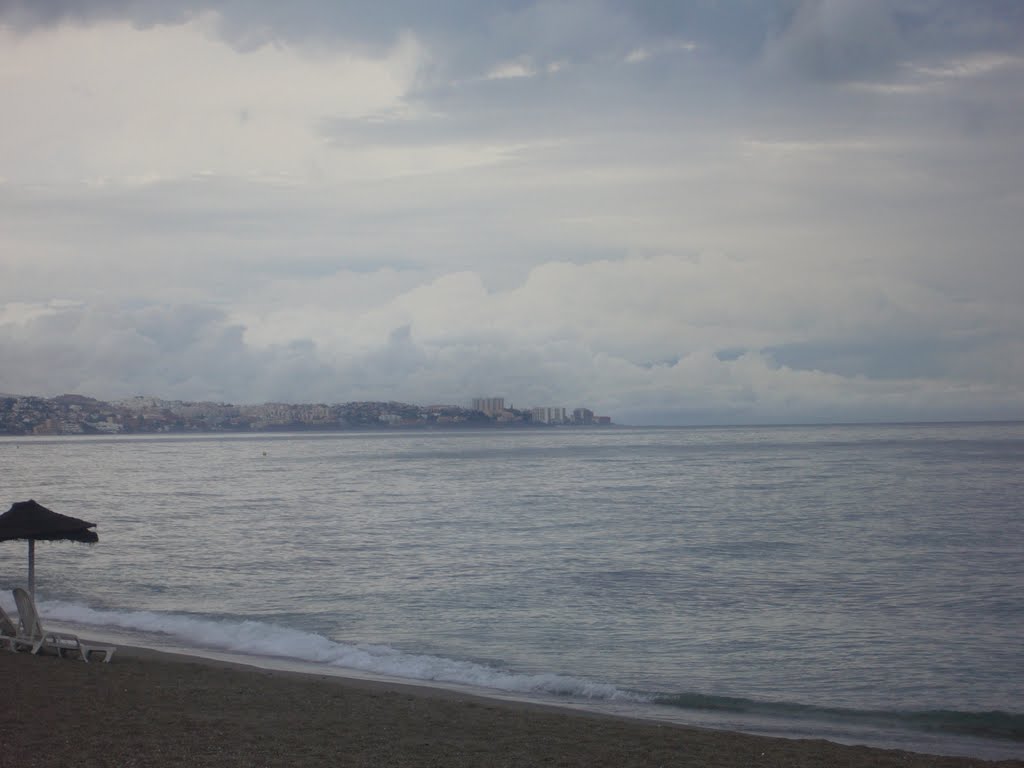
(267, 639)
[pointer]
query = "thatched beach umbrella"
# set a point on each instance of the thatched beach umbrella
(33, 522)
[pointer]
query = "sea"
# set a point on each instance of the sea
(862, 584)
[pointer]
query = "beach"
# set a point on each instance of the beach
(148, 708)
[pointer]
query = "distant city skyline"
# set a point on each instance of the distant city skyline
(72, 414)
(788, 211)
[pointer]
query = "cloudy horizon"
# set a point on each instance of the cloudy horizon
(685, 213)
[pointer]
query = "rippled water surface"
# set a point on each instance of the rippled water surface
(866, 568)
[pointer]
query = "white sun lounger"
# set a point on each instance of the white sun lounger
(33, 635)
(8, 632)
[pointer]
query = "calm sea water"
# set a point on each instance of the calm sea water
(858, 583)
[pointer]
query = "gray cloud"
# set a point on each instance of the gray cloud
(692, 211)
(26, 15)
(831, 37)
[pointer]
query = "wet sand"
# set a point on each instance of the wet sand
(153, 709)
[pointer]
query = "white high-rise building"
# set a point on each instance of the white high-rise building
(492, 406)
(548, 415)
(582, 416)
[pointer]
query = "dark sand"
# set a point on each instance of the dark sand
(152, 709)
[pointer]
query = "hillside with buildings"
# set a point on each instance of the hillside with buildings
(77, 414)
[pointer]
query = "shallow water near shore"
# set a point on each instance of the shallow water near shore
(856, 583)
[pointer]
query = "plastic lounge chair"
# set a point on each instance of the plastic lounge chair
(33, 634)
(8, 632)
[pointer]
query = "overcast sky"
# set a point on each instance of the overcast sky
(670, 212)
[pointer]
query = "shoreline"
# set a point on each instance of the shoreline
(150, 707)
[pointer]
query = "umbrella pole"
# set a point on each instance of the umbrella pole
(32, 567)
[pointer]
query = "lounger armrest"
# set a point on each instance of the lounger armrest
(20, 642)
(106, 650)
(63, 639)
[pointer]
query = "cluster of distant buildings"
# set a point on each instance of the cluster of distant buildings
(77, 414)
(495, 408)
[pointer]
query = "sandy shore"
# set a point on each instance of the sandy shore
(153, 709)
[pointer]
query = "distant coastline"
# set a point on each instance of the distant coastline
(81, 415)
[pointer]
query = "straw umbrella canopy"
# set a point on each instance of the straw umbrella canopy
(31, 521)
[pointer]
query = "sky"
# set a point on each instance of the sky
(688, 212)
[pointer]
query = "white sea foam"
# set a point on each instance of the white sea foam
(266, 639)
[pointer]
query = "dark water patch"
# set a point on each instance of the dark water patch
(990, 724)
